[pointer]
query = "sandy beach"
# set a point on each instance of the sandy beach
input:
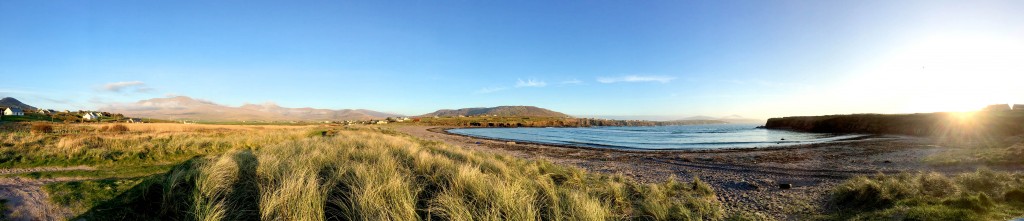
(744, 179)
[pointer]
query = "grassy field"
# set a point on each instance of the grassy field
(217, 172)
(29, 118)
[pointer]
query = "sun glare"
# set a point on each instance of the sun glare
(945, 73)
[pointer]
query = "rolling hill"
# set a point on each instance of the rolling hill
(187, 108)
(11, 102)
(505, 111)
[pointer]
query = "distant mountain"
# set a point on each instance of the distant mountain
(740, 119)
(11, 102)
(700, 118)
(693, 122)
(518, 111)
(187, 108)
(730, 119)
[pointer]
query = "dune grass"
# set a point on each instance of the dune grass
(981, 195)
(373, 175)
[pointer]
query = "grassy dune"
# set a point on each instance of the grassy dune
(294, 173)
(982, 195)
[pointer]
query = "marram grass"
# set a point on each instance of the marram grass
(369, 175)
(981, 195)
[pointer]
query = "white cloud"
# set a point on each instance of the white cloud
(137, 86)
(488, 90)
(635, 78)
(530, 83)
(519, 84)
(573, 81)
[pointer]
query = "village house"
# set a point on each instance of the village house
(47, 111)
(134, 120)
(13, 111)
(90, 116)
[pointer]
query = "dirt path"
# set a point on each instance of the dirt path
(42, 169)
(26, 200)
(745, 180)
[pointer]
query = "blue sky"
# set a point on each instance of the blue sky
(587, 58)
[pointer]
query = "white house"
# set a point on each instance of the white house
(90, 116)
(13, 111)
(134, 120)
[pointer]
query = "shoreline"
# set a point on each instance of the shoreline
(444, 130)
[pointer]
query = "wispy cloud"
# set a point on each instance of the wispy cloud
(123, 86)
(488, 90)
(573, 81)
(520, 83)
(635, 78)
(530, 83)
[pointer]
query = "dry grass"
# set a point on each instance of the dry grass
(369, 175)
(146, 144)
(175, 127)
(37, 128)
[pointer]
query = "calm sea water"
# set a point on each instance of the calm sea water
(712, 136)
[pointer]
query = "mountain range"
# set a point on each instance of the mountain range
(731, 119)
(519, 111)
(187, 108)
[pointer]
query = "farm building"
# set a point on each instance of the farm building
(90, 117)
(13, 111)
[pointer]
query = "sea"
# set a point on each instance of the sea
(680, 137)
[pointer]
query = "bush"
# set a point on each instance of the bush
(41, 128)
(115, 128)
(978, 203)
(1016, 196)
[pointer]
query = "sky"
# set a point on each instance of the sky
(756, 59)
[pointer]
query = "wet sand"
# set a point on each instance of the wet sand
(744, 179)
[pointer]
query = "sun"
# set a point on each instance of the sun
(947, 73)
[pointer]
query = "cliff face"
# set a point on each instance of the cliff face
(992, 123)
